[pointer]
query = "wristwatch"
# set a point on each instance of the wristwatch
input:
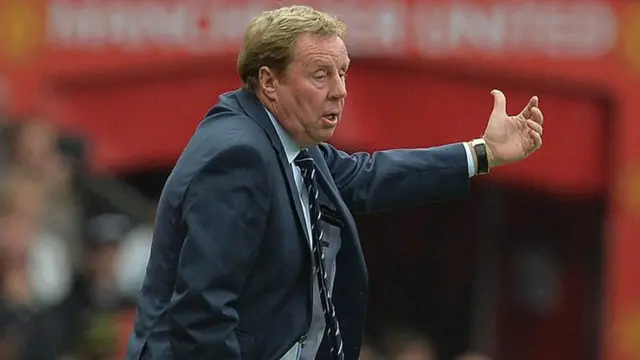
(480, 147)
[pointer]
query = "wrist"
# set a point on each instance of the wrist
(491, 159)
(481, 156)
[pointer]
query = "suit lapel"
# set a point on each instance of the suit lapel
(256, 111)
(294, 196)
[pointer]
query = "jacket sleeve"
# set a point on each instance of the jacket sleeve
(394, 179)
(224, 211)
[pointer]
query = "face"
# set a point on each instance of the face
(36, 144)
(308, 98)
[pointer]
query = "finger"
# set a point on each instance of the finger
(534, 126)
(537, 140)
(526, 112)
(499, 103)
(536, 115)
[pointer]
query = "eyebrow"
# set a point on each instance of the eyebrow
(324, 65)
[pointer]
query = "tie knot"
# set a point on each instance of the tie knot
(305, 163)
(304, 160)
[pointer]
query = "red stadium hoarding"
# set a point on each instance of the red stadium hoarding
(84, 37)
(156, 30)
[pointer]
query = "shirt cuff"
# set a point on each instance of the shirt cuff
(471, 166)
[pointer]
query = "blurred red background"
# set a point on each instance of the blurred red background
(421, 75)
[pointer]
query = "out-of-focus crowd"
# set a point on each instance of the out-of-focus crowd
(68, 279)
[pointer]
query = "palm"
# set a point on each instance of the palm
(513, 138)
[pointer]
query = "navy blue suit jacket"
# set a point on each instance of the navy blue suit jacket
(229, 276)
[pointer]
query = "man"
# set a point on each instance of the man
(255, 252)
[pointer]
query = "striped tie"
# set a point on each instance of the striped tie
(308, 170)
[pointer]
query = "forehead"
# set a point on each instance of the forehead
(326, 50)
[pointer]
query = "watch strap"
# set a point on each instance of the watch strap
(480, 148)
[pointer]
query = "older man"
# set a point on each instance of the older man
(255, 252)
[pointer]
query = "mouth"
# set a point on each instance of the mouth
(331, 117)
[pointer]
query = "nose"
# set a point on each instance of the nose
(339, 89)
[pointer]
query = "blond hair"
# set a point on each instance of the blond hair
(270, 39)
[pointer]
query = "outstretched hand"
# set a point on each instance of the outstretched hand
(512, 138)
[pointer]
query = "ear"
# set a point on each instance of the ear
(268, 82)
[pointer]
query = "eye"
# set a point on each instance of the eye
(320, 75)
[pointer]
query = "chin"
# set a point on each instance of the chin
(325, 135)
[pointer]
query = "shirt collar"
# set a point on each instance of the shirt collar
(291, 149)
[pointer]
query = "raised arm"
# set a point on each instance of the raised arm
(398, 178)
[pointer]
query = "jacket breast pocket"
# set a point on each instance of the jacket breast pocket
(330, 216)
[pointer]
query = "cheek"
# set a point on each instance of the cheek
(307, 107)
(315, 103)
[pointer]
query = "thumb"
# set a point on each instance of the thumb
(499, 103)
